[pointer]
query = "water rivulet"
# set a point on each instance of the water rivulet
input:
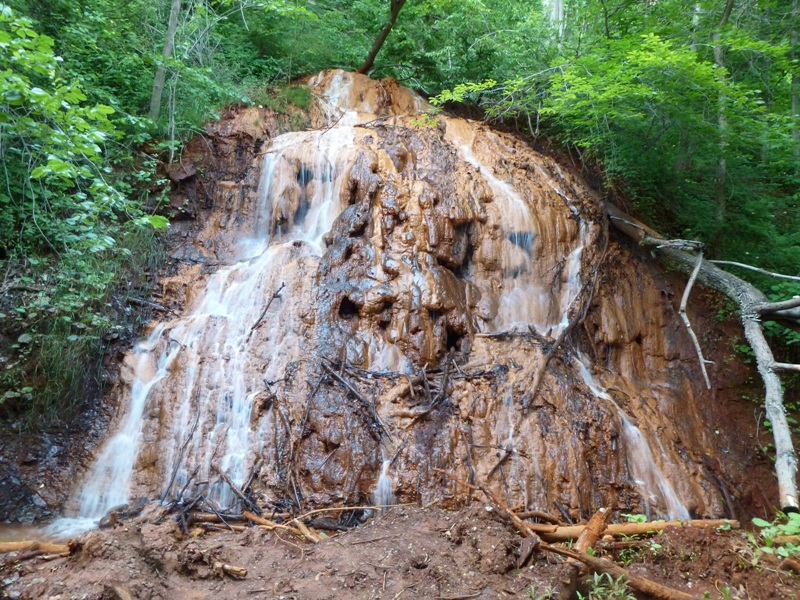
(373, 299)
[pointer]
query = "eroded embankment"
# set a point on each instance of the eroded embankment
(364, 303)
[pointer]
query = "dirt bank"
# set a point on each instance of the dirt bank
(404, 553)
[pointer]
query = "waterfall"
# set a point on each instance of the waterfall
(383, 494)
(211, 422)
(498, 247)
(653, 485)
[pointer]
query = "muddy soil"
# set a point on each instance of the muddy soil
(406, 552)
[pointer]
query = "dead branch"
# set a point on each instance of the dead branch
(525, 528)
(538, 514)
(785, 366)
(572, 532)
(147, 303)
(685, 318)
(756, 269)
(638, 583)
(266, 524)
(264, 312)
(221, 569)
(366, 403)
(769, 308)
(248, 504)
(179, 460)
(305, 531)
(346, 508)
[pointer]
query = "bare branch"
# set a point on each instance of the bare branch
(773, 307)
(685, 317)
(786, 367)
(756, 269)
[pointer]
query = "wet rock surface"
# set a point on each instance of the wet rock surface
(433, 269)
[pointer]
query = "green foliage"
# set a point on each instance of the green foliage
(54, 188)
(637, 518)
(69, 225)
(604, 587)
(783, 525)
(547, 593)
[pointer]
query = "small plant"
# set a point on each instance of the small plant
(781, 527)
(426, 119)
(604, 587)
(549, 593)
(638, 518)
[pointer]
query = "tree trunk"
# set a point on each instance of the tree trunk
(394, 10)
(722, 100)
(795, 88)
(751, 305)
(161, 72)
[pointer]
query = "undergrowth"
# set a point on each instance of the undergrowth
(57, 315)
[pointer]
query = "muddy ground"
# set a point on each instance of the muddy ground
(406, 552)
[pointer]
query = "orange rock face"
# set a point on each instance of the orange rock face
(430, 266)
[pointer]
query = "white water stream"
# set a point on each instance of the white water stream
(197, 373)
(656, 490)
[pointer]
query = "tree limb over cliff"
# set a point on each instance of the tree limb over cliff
(752, 305)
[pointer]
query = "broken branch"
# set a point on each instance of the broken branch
(685, 318)
(602, 565)
(264, 312)
(565, 534)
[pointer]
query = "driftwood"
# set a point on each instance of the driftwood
(640, 584)
(221, 569)
(34, 546)
(573, 532)
(751, 302)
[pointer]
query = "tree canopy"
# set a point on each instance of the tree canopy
(688, 111)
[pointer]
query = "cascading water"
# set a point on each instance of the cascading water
(381, 247)
(211, 427)
(653, 485)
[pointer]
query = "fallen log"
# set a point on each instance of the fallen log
(267, 524)
(593, 531)
(33, 546)
(573, 532)
(638, 583)
(749, 299)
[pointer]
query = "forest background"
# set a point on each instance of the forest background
(685, 112)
